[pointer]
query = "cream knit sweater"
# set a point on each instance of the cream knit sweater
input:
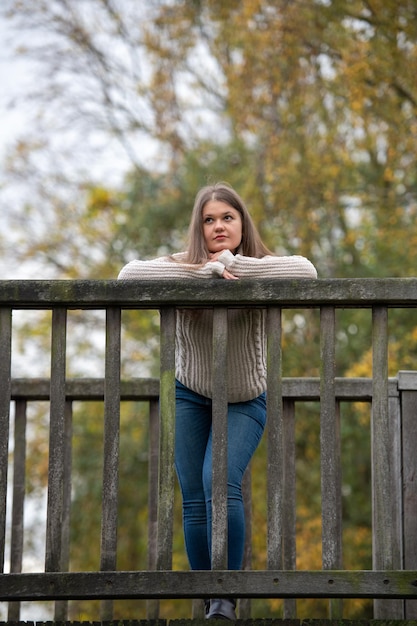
(246, 347)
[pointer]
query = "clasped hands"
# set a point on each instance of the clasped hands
(214, 256)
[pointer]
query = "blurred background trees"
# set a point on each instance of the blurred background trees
(308, 108)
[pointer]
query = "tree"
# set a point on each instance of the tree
(309, 108)
(320, 95)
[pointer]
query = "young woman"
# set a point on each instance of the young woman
(223, 243)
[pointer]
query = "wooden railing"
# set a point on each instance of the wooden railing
(393, 580)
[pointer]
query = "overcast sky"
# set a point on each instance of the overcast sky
(14, 77)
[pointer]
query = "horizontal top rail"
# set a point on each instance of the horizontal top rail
(340, 292)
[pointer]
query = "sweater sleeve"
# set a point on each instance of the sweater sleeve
(164, 267)
(268, 266)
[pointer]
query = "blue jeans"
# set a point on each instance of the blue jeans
(193, 462)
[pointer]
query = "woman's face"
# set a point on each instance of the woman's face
(222, 226)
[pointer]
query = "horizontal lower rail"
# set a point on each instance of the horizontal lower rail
(241, 584)
(89, 389)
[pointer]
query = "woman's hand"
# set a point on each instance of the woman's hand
(214, 256)
(229, 276)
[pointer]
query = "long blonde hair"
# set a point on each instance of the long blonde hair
(251, 244)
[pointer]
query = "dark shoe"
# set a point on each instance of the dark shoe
(222, 608)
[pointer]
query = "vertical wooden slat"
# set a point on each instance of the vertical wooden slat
(396, 460)
(166, 440)
(19, 479)
(56, 442)
(397, 480)
(108, 560)
(330, 452)
(153, 482)
(61, 607)
(219, 411)
(152, 606)
(289, 510)
(381, 479)
(66, 517)
(275, 438)
(5, 392)
(247, 503)
(380, 444)
(408, 390)
(245, 604)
